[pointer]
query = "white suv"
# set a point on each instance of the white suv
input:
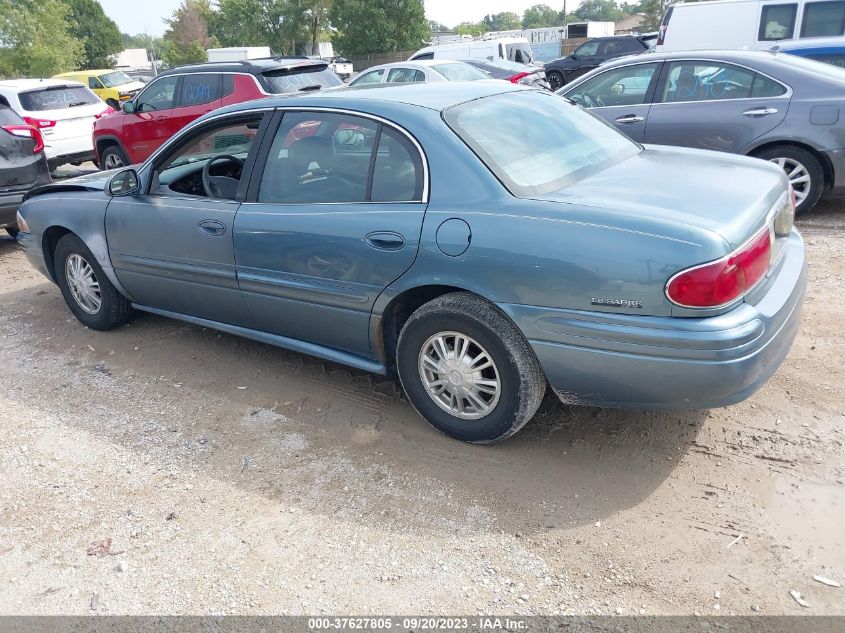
(64, 111)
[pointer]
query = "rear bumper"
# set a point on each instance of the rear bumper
(641, 362)
(9, 204)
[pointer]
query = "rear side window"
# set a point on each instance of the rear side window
(405, 75)
(372, 77)
(823, 18)
(397, 173)
(299, 79)
(199, 89)
(57, 98)
(765, 87)
(777, 22)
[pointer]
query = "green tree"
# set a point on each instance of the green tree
(187, 38)
(438, 27)
(505, 21)
(99, 35)
(471, 28)
(378, 26)
(540, 16)
(34, 39)
(316, 20)
(599, 11)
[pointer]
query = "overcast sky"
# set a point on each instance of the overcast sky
(146, 16)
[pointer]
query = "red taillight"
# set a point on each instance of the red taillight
(27, 131)
(721, 282)
(516, 78)
(39, 123)
(106, 112)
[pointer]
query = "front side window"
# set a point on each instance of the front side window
(459, 71)
(57, 98)
(823, 19)
(94, 83)
(622, 86)
(706, 81)
(587, 49)
(199, 89)
(158, 95)
(337, 158)
(777, 22)
(546, 145)
(372, 77)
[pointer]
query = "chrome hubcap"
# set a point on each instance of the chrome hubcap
(112, 161)
(83, 284)
(798, 176)
(459, 375)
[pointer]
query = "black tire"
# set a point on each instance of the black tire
(114, 309)
(521, 379)
(113, 158)
(555, 79)
(13, 231)
(811, 165)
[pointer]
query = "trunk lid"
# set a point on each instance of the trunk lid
(19, 164)
(727, 194)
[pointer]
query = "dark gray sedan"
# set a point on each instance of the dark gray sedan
(769, 105)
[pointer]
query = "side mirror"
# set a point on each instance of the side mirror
(124, 183)
(573, 56)
(128, 107)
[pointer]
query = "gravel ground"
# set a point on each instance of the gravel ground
(165, 468)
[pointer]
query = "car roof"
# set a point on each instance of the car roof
(87, 73)
(811, 43)
(249, 66)
(434, 96)
(416, 62)
(736, 56)
(32, 84)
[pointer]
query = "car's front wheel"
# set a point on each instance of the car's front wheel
(803, 170)
(555, 79)
(87, 291)
(468, 370)
(113, 158)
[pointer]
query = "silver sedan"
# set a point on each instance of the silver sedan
(419, 72)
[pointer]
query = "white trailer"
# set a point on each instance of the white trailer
(237, 53)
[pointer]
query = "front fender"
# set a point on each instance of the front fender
(60, 209)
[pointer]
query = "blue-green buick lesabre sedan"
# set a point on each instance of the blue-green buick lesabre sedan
(479, 241)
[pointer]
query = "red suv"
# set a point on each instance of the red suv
(178, 96)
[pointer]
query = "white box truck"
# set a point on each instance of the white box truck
(237, 53)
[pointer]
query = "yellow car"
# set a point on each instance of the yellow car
(112, 86)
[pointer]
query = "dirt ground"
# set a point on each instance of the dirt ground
(233, 477)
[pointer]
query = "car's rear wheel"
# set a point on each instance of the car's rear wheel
(113, 158)
(555, 79)
(87, 291)
(803, 170)
(468, 370)
(13, 231)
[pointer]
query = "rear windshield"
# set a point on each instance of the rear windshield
(459, 72)
(117, 78)
(546, 143)
(299, 79)
(520, 53)
(57, 98)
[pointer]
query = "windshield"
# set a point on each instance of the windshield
(547, 144)
(117, 78)
(299, 79)
(57, 98)
(459, 72)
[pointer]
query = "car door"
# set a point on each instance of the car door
(621, 96)
(331, 219)
(714, 105)
(171, 245)
(199, 94)
(147, 127)
(585, 58)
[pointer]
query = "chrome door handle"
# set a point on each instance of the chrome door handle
(211, 227)
(630, 118)
(385, 241)
(758, 112)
